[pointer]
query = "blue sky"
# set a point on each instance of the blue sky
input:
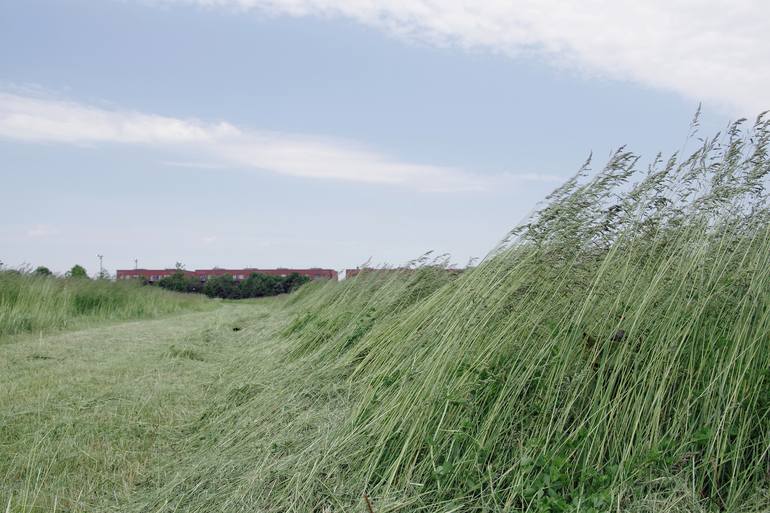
(323, 132)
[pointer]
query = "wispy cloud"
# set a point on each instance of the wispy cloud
(711, 50)
(34, 118)
(44, 119)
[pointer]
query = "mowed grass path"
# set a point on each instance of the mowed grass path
(88, 416)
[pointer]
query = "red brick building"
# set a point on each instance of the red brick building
(153, 275)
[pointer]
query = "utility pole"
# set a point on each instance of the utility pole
(136, 263)
(101, 267)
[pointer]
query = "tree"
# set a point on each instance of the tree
(221, 286)
(42, 271)
(257, 285)
(179, 282)
(77, 271)
(293, 282)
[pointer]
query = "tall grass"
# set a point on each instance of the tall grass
(621, 336)
(336, 316)
(30, 303)
(613, 353)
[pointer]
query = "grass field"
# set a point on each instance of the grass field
(612, 354)
(88, 417)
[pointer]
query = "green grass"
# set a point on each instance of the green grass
(30, 303)
(612, 354)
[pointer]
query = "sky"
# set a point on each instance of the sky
(328, 133)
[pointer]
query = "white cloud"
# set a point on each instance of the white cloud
(40, 119)
(711, 50)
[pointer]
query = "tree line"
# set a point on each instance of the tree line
(225, 287)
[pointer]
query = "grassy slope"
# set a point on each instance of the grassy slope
(87, 416)
(417, 410)
(614, 356)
